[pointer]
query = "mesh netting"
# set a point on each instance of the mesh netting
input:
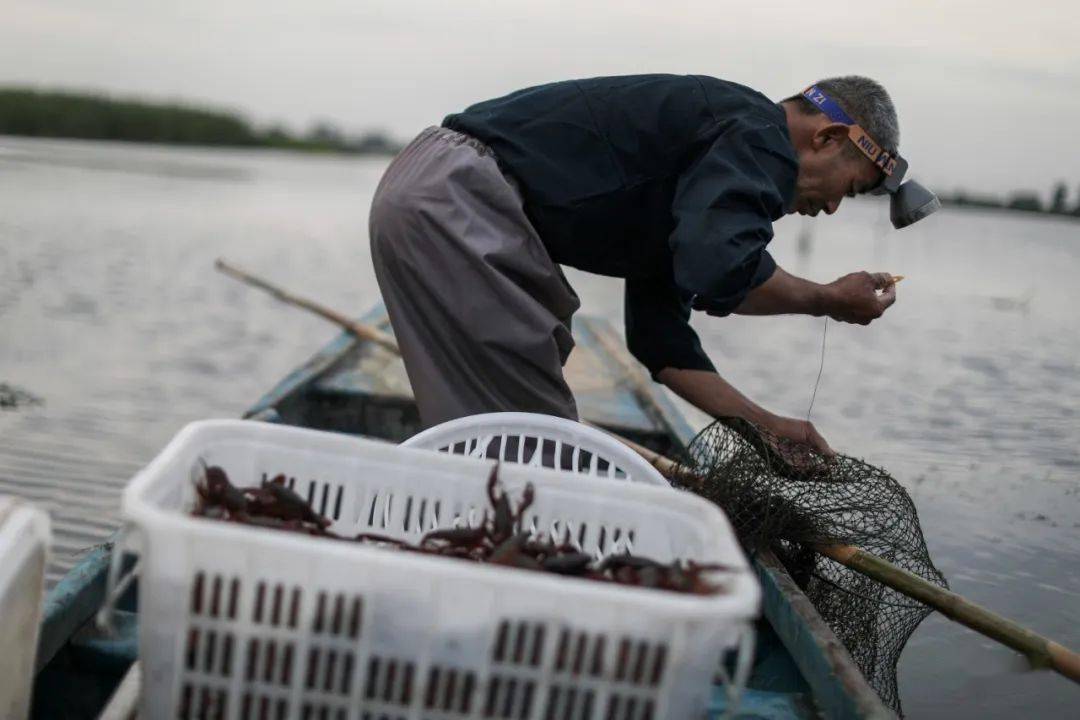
(780, 496)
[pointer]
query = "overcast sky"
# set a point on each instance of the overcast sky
(988, 92)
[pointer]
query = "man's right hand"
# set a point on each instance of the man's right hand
(854, 297)
(802, 432)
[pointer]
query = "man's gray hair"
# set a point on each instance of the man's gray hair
(866, 102)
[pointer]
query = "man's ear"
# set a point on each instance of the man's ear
(832, 134)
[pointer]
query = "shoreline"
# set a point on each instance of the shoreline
(337, 152)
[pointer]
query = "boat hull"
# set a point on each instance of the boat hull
(801, 670)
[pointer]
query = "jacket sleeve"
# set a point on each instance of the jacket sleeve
(658, 331)
(724, 205)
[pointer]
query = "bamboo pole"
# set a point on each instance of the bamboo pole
(1040, 651)
(358, 329)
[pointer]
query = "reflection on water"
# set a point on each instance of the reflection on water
(966, 391)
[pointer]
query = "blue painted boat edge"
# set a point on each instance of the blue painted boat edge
(296, 380)
(839, 688)
(72, 602)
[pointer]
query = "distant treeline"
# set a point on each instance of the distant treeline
(87, 116)
(1024, 200)
(95, 117)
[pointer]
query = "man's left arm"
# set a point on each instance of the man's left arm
(853, 298)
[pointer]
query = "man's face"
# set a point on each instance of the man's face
(829, 171)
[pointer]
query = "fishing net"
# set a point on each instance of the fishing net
(779, 495)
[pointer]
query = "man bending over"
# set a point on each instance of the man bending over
(671, 182)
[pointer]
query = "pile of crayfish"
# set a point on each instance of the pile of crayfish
(498, 540)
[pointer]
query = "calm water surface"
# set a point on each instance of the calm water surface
(967, 390)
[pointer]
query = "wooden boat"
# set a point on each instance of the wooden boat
(353, 386)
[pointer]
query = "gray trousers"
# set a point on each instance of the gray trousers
(480, 311)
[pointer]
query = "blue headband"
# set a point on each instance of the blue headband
(889, 163)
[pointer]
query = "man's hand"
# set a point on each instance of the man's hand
(712, 394)
(854, 298)
(799, 431)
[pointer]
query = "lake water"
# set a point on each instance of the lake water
(967, 390)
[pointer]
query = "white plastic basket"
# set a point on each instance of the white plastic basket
(539, 441)
(24, 540)
(241, 622)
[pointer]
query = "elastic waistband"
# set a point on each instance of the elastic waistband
(455, 137)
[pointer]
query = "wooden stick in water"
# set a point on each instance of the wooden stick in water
(1039, 650)
(358, 329)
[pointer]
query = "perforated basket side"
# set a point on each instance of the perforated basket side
(280, 627)
(24, 538)
(251, 618)
(539, 441)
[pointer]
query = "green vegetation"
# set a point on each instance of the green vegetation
(36, 113)
(94, 117)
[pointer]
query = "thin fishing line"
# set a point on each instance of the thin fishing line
(824, 333)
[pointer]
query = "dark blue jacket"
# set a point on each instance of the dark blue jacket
(671, 182)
